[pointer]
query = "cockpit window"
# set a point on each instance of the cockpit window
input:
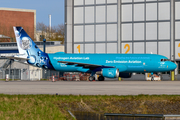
(162, 60)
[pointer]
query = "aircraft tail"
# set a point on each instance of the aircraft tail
(30, 51)
(25, 44)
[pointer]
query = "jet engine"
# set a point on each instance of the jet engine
(109, 72)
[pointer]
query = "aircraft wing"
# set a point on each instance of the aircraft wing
(85, 65)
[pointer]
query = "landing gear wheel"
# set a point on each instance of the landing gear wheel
(91, 78)
(101, 78)
(152, 78)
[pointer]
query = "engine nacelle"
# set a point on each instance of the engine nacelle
(109, 72)
(125, 75)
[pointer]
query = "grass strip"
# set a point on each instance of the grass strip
(54, 107)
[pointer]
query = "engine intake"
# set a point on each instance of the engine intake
(109, 72)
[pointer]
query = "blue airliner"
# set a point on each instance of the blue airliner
(105, 65)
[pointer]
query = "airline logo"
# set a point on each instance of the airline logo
(25, 43)
(111, 73)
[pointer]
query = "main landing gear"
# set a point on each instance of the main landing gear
(91, 78)
(101, 78)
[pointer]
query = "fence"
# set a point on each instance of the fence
(30, 74)
(20, 74)
(38, 74)
(13, 73)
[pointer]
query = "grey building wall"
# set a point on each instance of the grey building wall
(145, 26)
(177, 29)
(69, 26)
(124, 26)
(94, 28)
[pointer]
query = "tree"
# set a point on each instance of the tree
(55, 34)
(59, 33)
(42, 29)
(41, 26)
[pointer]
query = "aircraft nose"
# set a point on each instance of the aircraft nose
(172, 66)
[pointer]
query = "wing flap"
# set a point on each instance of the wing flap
(94, 67)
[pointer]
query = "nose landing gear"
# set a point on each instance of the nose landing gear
(152, 76)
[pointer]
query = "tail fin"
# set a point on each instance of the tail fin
(25, 44)
(30, 50)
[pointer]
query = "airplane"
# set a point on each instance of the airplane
(105, 65)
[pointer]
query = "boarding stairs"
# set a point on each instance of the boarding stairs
(4, 63)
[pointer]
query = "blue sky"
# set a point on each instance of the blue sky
(43, 9)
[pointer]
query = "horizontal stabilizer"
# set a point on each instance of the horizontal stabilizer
(16, 58)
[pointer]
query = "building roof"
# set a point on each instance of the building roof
(3, 36)
(16, 9)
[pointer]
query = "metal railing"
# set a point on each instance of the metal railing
(116, 116)
(41, 74)
(20, 74)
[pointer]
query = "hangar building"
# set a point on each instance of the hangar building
(123, 26)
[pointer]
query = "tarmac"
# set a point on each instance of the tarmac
(91, 88)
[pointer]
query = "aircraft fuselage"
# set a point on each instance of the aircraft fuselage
(132, 62)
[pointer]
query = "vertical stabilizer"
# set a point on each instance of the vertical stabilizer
(30, 50)
(24, 42)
